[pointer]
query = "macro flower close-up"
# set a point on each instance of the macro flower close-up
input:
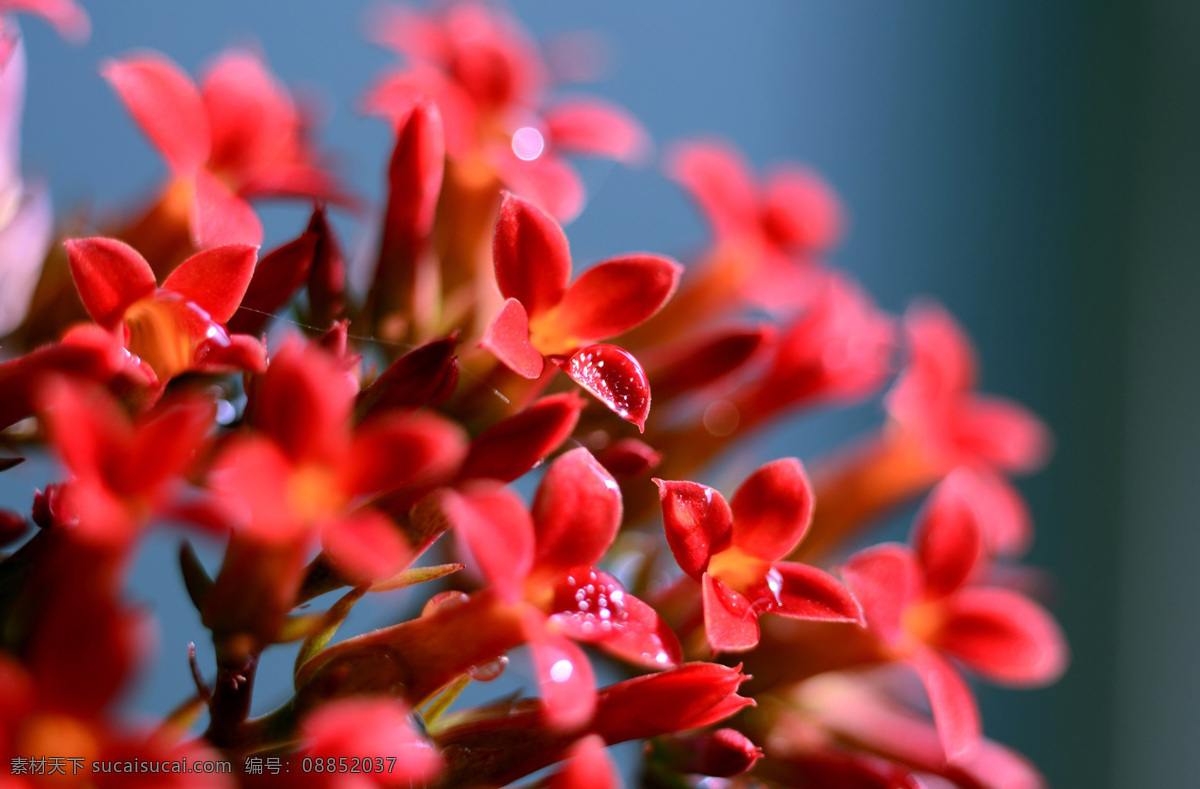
(482, 393)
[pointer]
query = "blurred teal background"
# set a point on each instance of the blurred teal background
(1031, 164)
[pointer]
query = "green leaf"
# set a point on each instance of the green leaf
(415, 575)
(330, 623)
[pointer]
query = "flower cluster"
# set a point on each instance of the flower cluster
(345, 441)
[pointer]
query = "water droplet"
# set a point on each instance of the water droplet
(614, 377)
(486, 672)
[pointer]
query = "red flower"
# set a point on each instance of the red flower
(123, 471)
(587, 766)
(774, 229)
(544, 315)
(936, 400)
(734, 550)
(236, 136)
(305, 472)
(548, 560)
(487, 79)
(923, 606)
(179, 326)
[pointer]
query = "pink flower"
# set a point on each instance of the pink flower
(735, 551)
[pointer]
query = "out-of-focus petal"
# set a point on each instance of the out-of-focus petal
(596, 128)
(496, 527)
(629, 457)
(885, 579)
(587, 766)
(365, 546)
(85, 425)
(547, 180)
(507, 450)
(803, 592)
(1004, 636)
(67, 16)
(251, 115)
(947, 537)
(166, 104)
(576, 512)
(531, 256)
(215, 279)
(403, 449)
(687, 697)
(303, 403)
(507, 337)
(1003, 433)
(566, 682)
(218, 216)
(375, 729)
(24, 242)
(698, 523)
(954, 710)
(800, 211)
(1003, 515)
(730, 621)
(772, 509)
(614, 296)
(110, 275)
(719, 180)
(698, 362)
(614, 377)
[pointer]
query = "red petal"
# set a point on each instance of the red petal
(507, 337)
(597, 128)
(719, 180)
(239, 352)
(221, 217)
(772, 509)
(947, 536)
(730, 621)
(591, 606)
(587, 766)
(374, 729)
(67, 17)
(276, 279)
(1004, 636)
(940, 367)
(565, 679)
(803, 592)
(1003, 516)
(1002, 433)
(885, 579)
(614, 377)
(87, 352)
(576, 512)
(800, 210)
(698, 523)
(953, 705)
(327, 277)
(164, 445)
(629, 457)
(693, 695)
(546, 181)
(415, 175)
(400, 449)
(86, 426)
(216, 279)
(365, 546)
(614, 296)
(532, 259)
(252, 116)
(723, 753)
(497, 529)
(303, 403)
(165, 103)
(698, 362)
(426, 375)
(512, 447)
(110, 275)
